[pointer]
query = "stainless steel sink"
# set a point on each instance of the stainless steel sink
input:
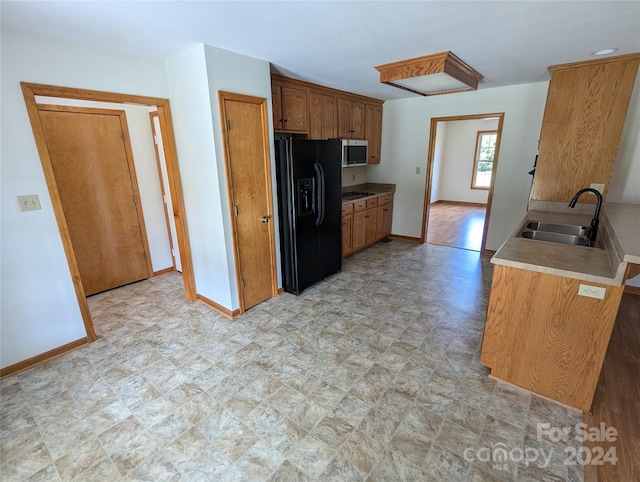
(573, 229)
(556, 237)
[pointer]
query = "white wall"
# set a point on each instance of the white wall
(39, 309)
(146, 167)
(195, 77)
(405, 142)
(458, 154)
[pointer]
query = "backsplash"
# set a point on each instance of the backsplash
(354, 175)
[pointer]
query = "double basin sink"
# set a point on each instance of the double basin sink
(571, 234)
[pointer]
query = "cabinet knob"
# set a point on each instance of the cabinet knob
(286, 120)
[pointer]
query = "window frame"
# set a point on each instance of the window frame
(476, 157)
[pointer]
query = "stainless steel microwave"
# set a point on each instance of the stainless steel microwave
(354, 152)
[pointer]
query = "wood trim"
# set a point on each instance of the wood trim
(459, 203)
(177, 198)
(430, 160)
(632, 290)
(489, 252)
(280, 291)
(30, 90)
(43, 357)
(219, 308)
(262, 102)
(405, 238)
(589, 63)
(152, 116)
(164, 271)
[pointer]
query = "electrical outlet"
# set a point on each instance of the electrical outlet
(30, 202)
(597, 187)
(592, 291)
(353, 177)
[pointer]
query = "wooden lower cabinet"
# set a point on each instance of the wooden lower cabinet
(384, 216)
(541, 335)
(359, 230)
(365, 222)
(347, 229)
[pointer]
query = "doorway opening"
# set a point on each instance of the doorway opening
(37, 97)
(461, 169)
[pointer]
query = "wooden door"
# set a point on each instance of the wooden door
(370, 221)
(330, 127)
(373, 131)
(248, 165)
(96, 181)
(316, 116)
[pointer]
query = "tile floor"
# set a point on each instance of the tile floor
(372, 375)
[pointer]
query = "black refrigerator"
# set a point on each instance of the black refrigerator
(309, 176)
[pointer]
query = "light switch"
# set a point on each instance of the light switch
(597, 187)
(418, 170)
(29, 202)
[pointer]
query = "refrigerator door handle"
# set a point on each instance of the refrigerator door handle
(320, 193)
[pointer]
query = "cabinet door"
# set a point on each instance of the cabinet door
(330, 130)
(359, 230)
(370, 220)
(316, 116)
(357, 120)
(276, 101)
(387, 219)
(323, 116)
(373, 131)
(347, 234)
(294, 109)
(344, 121)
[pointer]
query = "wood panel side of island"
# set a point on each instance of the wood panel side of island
(541, 335)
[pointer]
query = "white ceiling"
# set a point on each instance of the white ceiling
(338, 43)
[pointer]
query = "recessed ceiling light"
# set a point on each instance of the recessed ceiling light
(604, 52)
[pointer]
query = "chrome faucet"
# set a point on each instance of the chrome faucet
(593, 230)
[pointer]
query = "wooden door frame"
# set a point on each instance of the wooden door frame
(153, 115)
(430, 161)
(262, 102)
(30, 91)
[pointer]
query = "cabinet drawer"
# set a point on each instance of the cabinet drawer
(360, 205)
(372, 203)
(386, 199)
(347, 208)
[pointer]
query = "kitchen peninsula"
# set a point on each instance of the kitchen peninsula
(552, 306)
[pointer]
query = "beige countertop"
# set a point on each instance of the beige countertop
(619, 232)
(376, 189)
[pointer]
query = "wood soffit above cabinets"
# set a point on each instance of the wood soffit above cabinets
(589, 63)
(441, 73)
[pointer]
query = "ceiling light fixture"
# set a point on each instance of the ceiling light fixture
(604, 51)
(440, 73)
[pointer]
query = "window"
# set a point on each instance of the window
(483, 162)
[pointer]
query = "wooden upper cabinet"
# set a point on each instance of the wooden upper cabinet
(323, 116)
(351, 120)
(583, 120)
(290, 109)
(373, 131)
(276, 101)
